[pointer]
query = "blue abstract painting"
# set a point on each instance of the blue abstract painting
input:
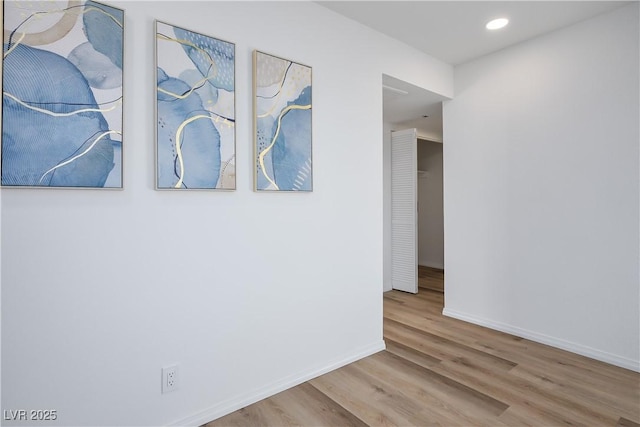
(282, 121)
(62, 94)
(195, 147)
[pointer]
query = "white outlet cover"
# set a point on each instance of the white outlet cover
(170, 378)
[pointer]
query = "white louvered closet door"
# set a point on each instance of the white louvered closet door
(404, 221)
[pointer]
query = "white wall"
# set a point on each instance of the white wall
(541, 189)
(430, 210)
(250, 293)
(386, 179)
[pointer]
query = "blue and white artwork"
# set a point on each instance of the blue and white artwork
(282, 108)
(195, 110)
(62, 94)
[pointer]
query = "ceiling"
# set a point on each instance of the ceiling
(405, 106)
(454, 32)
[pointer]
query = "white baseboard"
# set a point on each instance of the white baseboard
(233, 404)
(580, 349)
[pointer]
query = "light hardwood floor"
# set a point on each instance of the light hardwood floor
(439, 371)
(431, 278)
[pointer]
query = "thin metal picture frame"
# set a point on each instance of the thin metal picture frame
(195, 104)
(282, 124)
(62, 125)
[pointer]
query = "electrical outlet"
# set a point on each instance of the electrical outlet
(170, 378)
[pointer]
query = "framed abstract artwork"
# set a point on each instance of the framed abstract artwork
(195, 111)
(282, 124)
(62, 94)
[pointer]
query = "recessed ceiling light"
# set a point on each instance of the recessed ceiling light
(496, 24)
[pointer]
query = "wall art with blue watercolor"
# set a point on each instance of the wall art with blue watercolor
(282, 109)
(62, 94)
(195, 147)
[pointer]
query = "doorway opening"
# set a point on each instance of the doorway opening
(406, 106)
(430, 220)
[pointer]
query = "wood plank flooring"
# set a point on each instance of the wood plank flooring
(439, 371)
(431, 278)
